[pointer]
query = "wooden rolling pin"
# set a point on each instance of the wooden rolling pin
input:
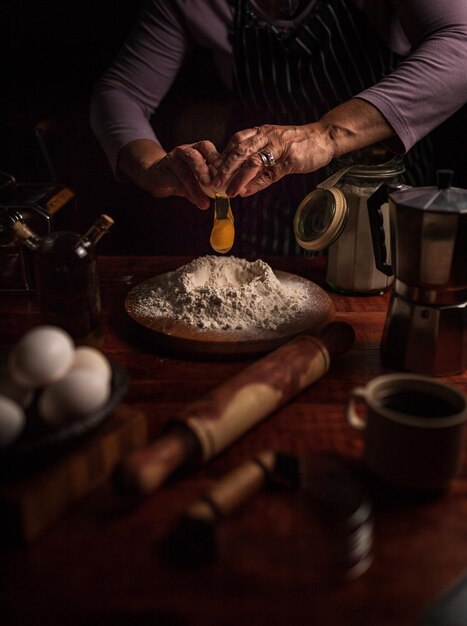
(210, 424)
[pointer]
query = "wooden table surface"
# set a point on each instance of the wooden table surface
(99, 563)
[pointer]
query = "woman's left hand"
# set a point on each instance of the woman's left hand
(241, 170)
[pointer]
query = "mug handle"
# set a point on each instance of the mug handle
(353, 417)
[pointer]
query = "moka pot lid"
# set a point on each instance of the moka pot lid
(438, 199)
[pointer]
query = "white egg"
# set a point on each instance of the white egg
(12, 421)
(43, 355)
(92, 359)
(76, 395)
(20, 394)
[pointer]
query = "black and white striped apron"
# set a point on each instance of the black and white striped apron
(295, 77)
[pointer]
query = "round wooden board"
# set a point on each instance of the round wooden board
(182, 336)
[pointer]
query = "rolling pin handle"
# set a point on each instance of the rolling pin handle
(337, 337)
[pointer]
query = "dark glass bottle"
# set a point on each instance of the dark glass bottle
(67, 279)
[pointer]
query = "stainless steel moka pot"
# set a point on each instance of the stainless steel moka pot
(426, 323)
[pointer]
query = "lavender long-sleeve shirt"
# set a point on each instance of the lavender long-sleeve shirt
(424, 90)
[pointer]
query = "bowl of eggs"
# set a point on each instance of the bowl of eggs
(53, 392)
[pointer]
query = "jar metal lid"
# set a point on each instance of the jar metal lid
(381, 171)
(320, 218)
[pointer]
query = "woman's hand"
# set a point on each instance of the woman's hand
(297, 149)
(179, 172)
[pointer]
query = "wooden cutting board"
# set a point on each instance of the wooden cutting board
(35, 498)
(178, 335)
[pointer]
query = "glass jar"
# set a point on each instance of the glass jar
(335, 217)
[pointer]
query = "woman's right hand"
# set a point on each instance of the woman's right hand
(180, 172)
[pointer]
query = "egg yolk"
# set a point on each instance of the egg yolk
(222, 236)
(223, 231)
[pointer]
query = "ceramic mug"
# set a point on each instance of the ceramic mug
(413, 427)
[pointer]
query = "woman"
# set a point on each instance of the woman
(314, 81)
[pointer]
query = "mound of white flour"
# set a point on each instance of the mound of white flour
(214, 292)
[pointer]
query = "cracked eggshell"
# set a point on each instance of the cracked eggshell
(12, 421)
(42, 356)
(78, 394)
(212, 191)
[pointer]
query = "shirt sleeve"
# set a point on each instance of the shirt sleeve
(128, 93)
(431, 83)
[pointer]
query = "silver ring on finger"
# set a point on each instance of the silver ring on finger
(267, 158)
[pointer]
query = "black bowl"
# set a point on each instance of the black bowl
(40, 441)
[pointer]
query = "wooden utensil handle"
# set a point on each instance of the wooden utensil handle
(234, 489)
(337, 337)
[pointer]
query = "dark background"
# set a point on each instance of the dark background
(53, 53)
